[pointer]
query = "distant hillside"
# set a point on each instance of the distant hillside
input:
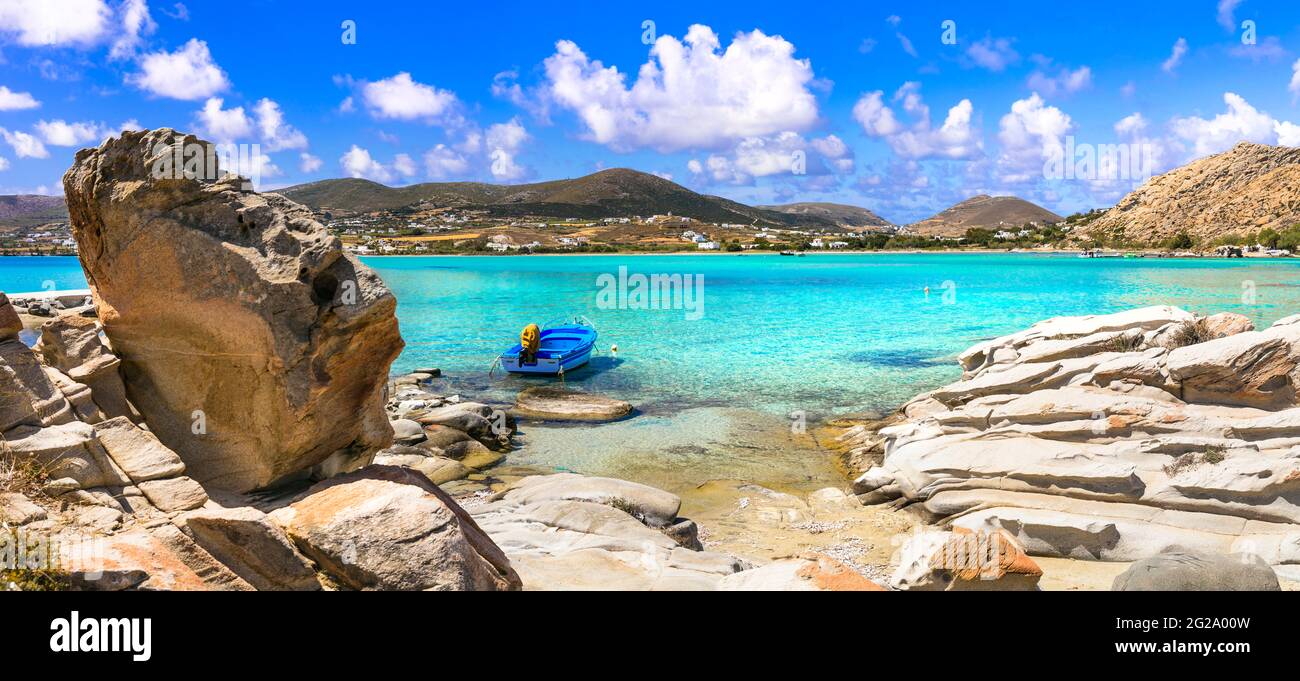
(1238, 192)
(849, 217)
(983, 211)
(609, 193)
(26, 210)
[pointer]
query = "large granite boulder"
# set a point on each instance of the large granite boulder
(250, 342)
(389, 528)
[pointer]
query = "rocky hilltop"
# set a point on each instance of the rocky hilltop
(983, 212)
(612, 192)
(1239, 192)
(1112, 438)
(846, 216)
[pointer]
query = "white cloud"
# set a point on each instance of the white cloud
(957, 138)
(24, 144)
(443, 162)
(786, 153)
(55, 22)
(690, 94)
(1268, 49)
(224, 125)
(402, 98)
(1288, 134)
(994, 54)
(1029, 134)
(1133, 124)
(906, 43)
(1294, 86)
(1064, 82)
(1175, 57)
(4, 163)
(14, 101)
(357, 162)
(60, 133)
(533, 101)
(188, 73)
(275, 134)
(503, 143)
(1241, 122)
(308, 163)
(1225, 14)
(404, 165)
(136, 23)
(266, 125)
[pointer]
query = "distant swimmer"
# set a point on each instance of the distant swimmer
(927, 290)
(613, 349)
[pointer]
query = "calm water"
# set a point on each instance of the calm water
(822, 334)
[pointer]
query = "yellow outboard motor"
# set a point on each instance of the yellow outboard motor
(530, 339)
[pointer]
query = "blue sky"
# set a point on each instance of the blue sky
(757, 101)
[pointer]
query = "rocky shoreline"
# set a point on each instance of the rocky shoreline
(219, 415)
(1111, 437)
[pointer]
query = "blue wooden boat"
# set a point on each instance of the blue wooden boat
(563, 347)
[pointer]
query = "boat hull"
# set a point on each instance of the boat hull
(563, 348)
(545, 366)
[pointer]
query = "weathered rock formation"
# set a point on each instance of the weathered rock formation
(386, 527)
(1106, 437)
(1240, 191)
(1177, 569)
(250, 342)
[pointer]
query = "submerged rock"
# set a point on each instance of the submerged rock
(250, 342)
(556, 404)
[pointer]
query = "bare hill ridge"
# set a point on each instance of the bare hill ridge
(608, 193)
(1238, 192)
(849, 217)
(984, 212)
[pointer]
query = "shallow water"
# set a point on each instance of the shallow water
(820, 334)
(813, 336)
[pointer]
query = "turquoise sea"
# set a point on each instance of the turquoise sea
(819, 335)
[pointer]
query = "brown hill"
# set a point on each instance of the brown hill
(26, 210)
(846, 216)
(983, 211)
(616, 192)
(1238, 192)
